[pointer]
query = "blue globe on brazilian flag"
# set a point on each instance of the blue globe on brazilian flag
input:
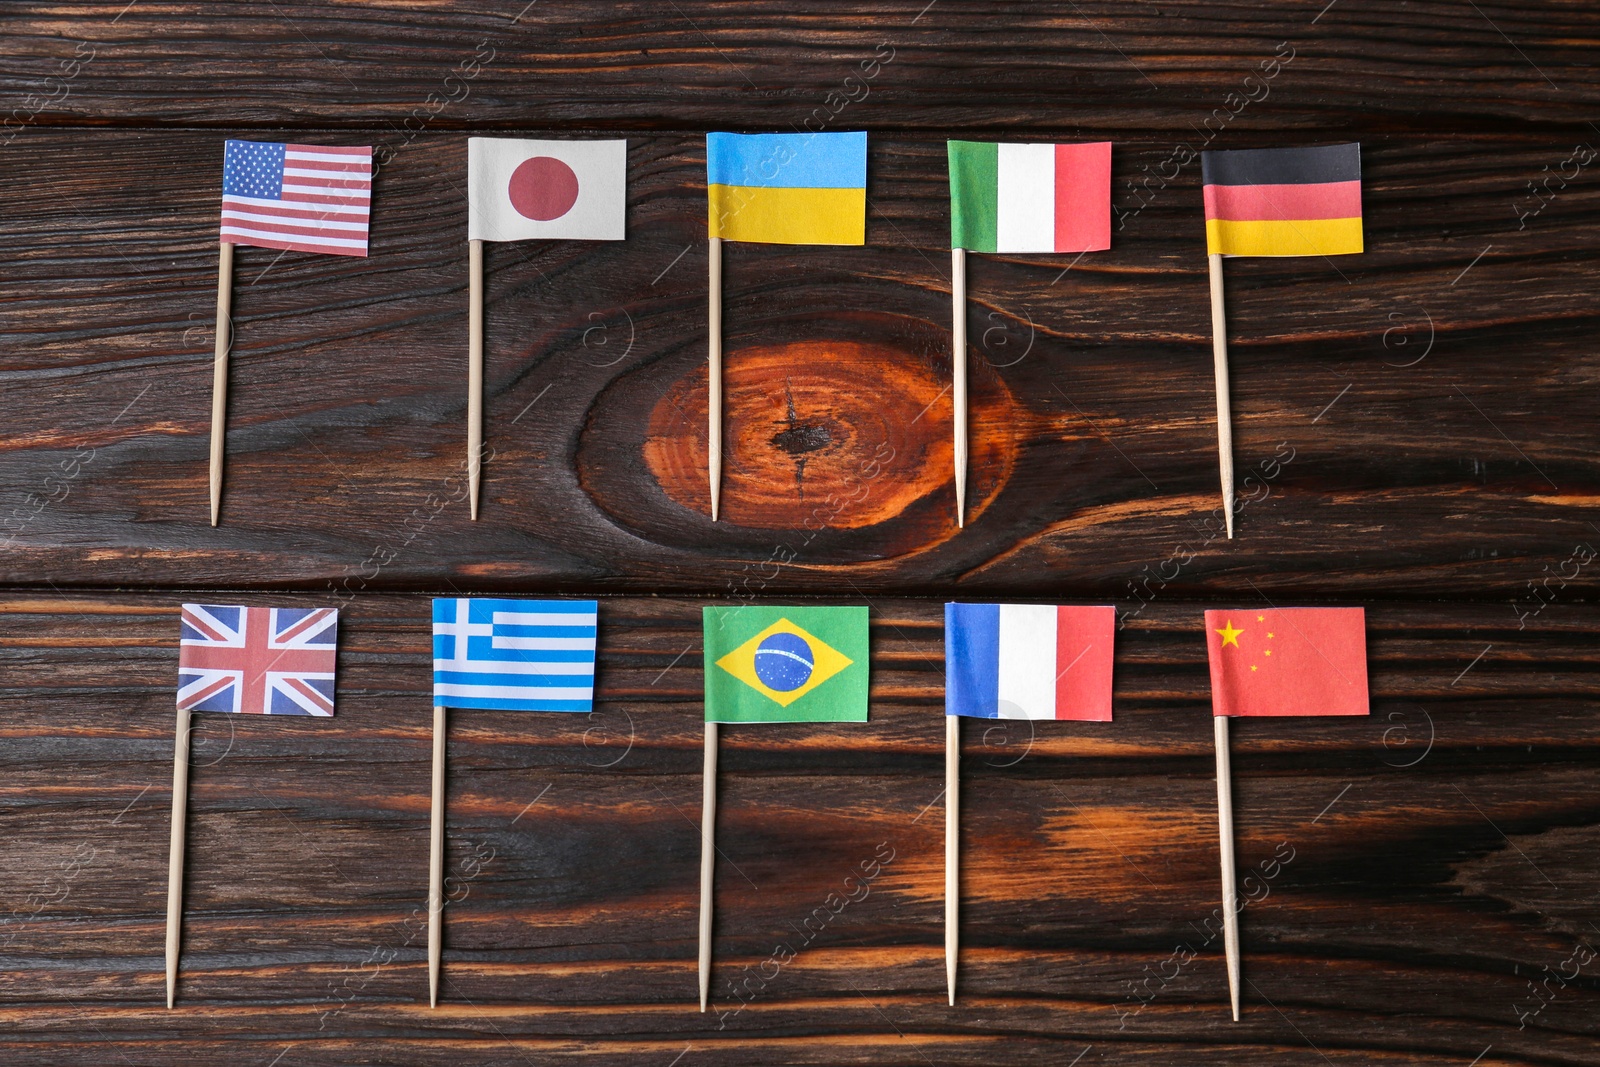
(774, 664)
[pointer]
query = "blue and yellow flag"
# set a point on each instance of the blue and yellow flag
(788, 188)
(771, 664)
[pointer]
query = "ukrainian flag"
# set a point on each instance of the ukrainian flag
(788, 188)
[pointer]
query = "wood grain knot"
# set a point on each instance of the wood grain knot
(799, 439)
(819, 436)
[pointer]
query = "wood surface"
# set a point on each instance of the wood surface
(1414, 431)
(1441, 854)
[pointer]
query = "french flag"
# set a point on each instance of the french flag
(1028, 661)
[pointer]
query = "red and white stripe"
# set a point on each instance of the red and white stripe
(311, 624)
(325, 207)
(1055, 662)
(1053, 197)
(210, 627)
(297, 689)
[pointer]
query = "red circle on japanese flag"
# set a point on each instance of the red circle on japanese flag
(543, 188)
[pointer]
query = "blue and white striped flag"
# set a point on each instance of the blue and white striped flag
(514, 655)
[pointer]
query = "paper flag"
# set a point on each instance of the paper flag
(1028, 661)
(514, 655)
(518, 190)
(788, 188)
(260, 661)
(1283, 201)
(771, 664)
(307, 198)
(1030, 197)
(1288, 661)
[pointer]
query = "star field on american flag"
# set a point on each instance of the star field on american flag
(253, 168)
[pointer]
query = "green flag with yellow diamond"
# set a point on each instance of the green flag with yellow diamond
(771, 664)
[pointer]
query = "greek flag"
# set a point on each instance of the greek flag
(514, 655)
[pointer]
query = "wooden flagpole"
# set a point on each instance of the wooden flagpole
(958, 381)
(1230, 890)
(708, 852)
(474, 369)
(219, 373)
(952, 849)
(436, 861)
(180, 821)
(714, 379)
(1219, 358)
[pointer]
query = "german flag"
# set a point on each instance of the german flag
(1283, 201)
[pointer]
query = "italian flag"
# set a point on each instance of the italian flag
(1030, 197)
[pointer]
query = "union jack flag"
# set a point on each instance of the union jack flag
(262, 661)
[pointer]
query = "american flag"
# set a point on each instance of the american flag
(263, 661)
(309, 198)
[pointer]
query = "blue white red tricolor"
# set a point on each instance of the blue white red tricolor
(260, 661)
(1028, 661)
(514, 655)
(308, 198)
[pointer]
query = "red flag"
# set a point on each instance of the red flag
(1288, 661)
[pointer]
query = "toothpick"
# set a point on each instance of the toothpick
(219, 373)
(952, 849)
(436, 862)
(180, 813)
(958, 377)
(474, 370)
(1219, 359)
(714, 379)
(708, 852)
(1230, 891)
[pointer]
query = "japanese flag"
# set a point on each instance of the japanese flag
(519, 190)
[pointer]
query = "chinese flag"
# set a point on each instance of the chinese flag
(1288, 661)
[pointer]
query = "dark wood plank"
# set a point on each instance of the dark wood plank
(1386, 445)
(1410, 873)
(705, 63)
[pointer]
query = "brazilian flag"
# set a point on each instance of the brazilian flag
(772, 664)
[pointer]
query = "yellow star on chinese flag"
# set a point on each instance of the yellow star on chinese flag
(1230, 636)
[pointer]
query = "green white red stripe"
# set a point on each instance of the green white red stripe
(1030, 197)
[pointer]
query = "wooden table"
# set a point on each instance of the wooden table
(1415, 433)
